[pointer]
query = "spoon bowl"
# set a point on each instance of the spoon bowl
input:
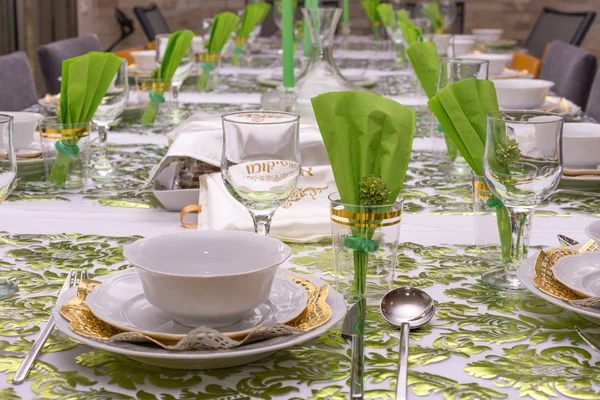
(406, 308)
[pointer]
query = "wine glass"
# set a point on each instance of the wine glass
(522, 166)
(260, 162)
(111, 107)
(447, 12)
(8, 173)
(182, 71)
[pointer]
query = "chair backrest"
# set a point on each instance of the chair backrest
(152, 21)
(522, 62)
(126, 54)
(558, 25)
(52, 55)
(16, 81)
(592, 108)
(572, 70)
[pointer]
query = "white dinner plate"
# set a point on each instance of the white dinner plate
(195, 359)
(552, 104)
(582, 182)
(593, 230)
(580, 272)
(120, 302)
(526, 273)
(267, 79)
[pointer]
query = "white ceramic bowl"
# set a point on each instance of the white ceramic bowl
(593, 230)
(497, 62)
(521, 93)
(25, 124)
(207, 277)
(581, 145)
(465, 37)
(144, 59)
(488, 35)
(460, 47)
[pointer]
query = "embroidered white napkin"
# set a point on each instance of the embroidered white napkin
(201, 137)
(304, 218)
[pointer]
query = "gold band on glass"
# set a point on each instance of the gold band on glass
(207, 57)
(366, 216)
(240, 40)
(153, 85)
(481, 186)
(377, 23)
(65, 134)
(366, 225)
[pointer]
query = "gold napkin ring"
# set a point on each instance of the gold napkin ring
(185, 211)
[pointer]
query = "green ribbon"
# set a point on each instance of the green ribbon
(67, 149)
(357, 243)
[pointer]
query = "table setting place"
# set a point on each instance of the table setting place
(315, 214)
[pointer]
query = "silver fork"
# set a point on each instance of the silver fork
(72, 280)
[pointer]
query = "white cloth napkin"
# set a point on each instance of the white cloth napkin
(201, 137)
(304, 218)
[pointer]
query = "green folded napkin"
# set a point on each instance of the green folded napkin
(403, 16)
(411, 34)
(386, 15)
(461, 109)
(252, 16)
(432, 12)
(85, 80)
(426, 63)
(264, 11)
(177, 46)
(368, 139)
(223, 26)
(370, 7)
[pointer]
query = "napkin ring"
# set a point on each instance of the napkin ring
(185, 211)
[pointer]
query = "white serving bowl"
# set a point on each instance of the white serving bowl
(207, 277)
(144, 59)
(497, 62)
(581, 145)
(460, 47)
(25, 124)
(521, 93)
(488, 35)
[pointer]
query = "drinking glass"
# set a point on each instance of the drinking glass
(260, 163)
(112, 106)
(8, 172)
(448, 13)
(522, 166)
(181, 73)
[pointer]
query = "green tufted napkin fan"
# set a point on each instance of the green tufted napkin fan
(385, 11)
(253, 14)
(370, 7)
(426, 63)
(223, 26)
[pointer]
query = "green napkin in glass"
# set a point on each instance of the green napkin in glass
(264, 11)
(461, 109)
(411, 34)
(386, 15)
(403, 16)
(85, 80)
(432, 12)
(365, 134)
(426, 63)
(252, 16)
(370, 7)
(178, 44)
(223, 26)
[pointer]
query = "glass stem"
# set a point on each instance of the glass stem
(262, 223)
(102, 135)
(520, 222)
(176, 96)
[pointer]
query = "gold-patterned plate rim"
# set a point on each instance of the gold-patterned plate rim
(544, 276)
(83, 322)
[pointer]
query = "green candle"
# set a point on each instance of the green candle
(288, 43)
(308, 4)
(346, 13)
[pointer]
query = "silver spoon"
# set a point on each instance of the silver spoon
(406, 308)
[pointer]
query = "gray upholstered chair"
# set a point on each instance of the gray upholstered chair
(16, 81)
(52, 55)
(571, 69)
(593, 105)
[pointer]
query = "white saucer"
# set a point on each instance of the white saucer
(526, 273)
(580, 272)
(120, 302)
(551, 104)
(196, 359)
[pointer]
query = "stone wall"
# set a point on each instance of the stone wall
(516, 17)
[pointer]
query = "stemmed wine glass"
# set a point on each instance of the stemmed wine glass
(8, 173)
(112, 106)
(181, 73)
(522, 166)
(260, 163)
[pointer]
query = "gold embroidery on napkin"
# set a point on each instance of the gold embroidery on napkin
(300, 193)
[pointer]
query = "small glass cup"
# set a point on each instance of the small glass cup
(365, 247)
(239, 51)
(65, 149)
(208, 66)
(155, 95)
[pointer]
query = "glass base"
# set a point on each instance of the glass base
(103, 168)
(500, 278)
(7, 289)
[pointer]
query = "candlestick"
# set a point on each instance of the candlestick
(288, 43)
